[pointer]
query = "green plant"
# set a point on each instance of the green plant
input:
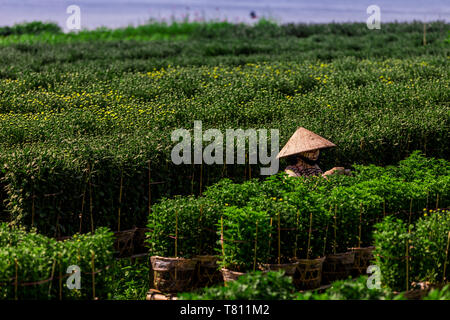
(28, 257)
(245, 233)
(391, 241)
(416, 253)
(183, 227)
(251, 286)
(350, 289)
(130, 280)
(430, 240)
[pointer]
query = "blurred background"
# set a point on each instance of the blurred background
(121, 13)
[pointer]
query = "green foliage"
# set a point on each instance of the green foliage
(391, 238)
(109, 100)
(39, 258)
(350, 290)
(439, 294)
(188, 221)
(275, 286)
(251, 286)
(130, 280)
(356, 290)
(30, 28)
(246, 234)
(427, 242)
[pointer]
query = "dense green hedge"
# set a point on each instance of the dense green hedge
(29, 257)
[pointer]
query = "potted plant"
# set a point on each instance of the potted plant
(243, 240)
(281, 243)
(173, 240)
(312, 224)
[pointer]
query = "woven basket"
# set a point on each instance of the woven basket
(363, 258)
(229, 275)
(123, 243)
(308, 273)
(173, 274)
(207, 273)
(337, 266)
(289, 268)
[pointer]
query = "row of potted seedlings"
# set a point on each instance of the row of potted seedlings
(191, 239)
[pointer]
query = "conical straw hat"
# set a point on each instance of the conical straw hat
(304, 140)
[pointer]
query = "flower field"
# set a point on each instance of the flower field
(85, 143)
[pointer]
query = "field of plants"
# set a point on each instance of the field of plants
(85, 144)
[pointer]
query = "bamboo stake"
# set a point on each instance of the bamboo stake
(51, 277)
(90, 199)
(446, 257)
(201, 177)
(221, 236)
(325, 241)
(437, 201)
(32, 210)
(360, 226)
(149, 189)
(309, 235)
(245, 168)
(279, 239)
(296, 234)
(270, 236)
(424, 34)
(16, 280)
(410, 210)
(200, 218)
(256, 244)
(93, 273)
(120, 200)
(335, 228)
(223, 169)
(176, 234)
(192, 181)
(60, 277)
(407, 263)
(82, 207)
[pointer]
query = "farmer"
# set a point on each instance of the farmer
(302, 152)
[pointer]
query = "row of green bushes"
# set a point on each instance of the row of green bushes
(286, 216)
(408, 253)
(33, 266)
(35, 28)
(154, 30)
